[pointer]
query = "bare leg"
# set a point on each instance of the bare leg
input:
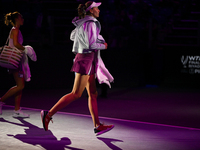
(92, 100)
(18, 100)
(15, 91)
(79, 86)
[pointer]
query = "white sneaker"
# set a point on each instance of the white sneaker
(1, 104)
(21, 114)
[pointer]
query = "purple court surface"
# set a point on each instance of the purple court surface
(144, 119)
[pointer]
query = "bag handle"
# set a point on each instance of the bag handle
(5, 43)
(8, 37)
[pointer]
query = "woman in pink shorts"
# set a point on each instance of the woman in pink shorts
(87, 65)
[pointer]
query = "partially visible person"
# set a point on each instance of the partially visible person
(21, 74)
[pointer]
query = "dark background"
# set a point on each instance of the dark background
(146, 41)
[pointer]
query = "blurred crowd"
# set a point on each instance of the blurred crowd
(35, 17)
(138, 21)
(125, 22)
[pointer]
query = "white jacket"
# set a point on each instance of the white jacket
(85, 35)
(29, 51)
(86, 39)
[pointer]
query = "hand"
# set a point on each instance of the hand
(106, 45)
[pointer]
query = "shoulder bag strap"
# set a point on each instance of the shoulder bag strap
(8, 38)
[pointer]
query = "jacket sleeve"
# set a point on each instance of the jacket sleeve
(93, 33)
(72, 35)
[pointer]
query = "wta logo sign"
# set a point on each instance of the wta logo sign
(184, 60)
(192, 63)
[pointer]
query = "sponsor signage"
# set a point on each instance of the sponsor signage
(190, 64)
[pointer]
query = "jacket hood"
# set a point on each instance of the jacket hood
(78, 22)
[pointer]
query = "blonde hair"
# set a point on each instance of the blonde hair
(82, 8)
(10, 18)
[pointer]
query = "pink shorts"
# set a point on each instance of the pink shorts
(84, 63)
